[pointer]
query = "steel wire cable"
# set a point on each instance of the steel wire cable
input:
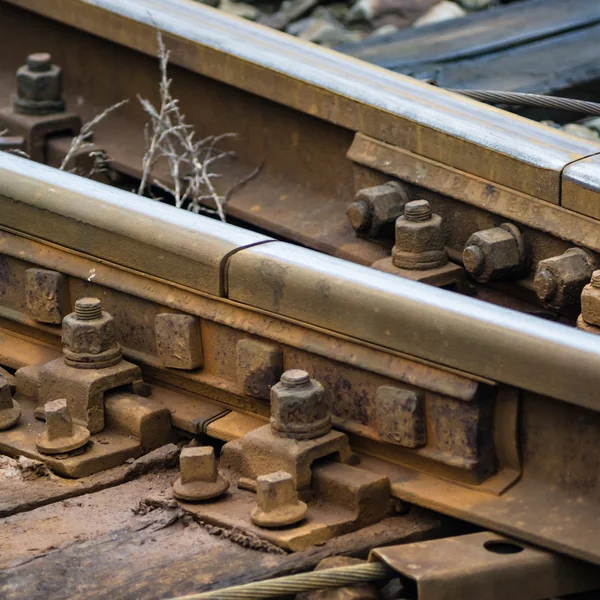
(536, 100)
(295, 584)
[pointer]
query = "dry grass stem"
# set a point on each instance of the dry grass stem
(191, 163)
(82, 141)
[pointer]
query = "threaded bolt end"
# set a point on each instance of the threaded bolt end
(88, 309)
(359, 215)
(417, 210)
(596, 279)
(39, 62)
(294, 377)
(473, 259)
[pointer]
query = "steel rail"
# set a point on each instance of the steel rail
(440, 125)
(359, 328)
(418, 320)
(296, 108)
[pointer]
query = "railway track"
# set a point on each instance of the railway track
(479, 412)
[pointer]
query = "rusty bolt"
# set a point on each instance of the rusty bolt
(590, 301)
(199, 477)
(400, 416)
(375, 209)
(298, 407)
(419, 238)
(46, 295)
(559, 280)
(88, 336)
(179, 341)
(10, 411)
(61, 434)
(496, 253)
(546, 284)
(278, 503)
(359, 215)
(39, 86)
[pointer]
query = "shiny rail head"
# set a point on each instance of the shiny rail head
(419, 320)
(319, 290)
(519, 153)
(118, 226)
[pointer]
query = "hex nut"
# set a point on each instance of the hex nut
(61, 434)
(375, 209)
(419, 238)
(559, 281)
(199, 477)
(10, 411)
(278, 503)
(298, 407)
(39, 86)
(590, 301)
(496, 253)
(88, 336)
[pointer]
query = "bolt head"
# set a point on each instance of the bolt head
(46, 295)
(494, 253)
(200, 479)
(61, 434)
(559, 280)
(198, 464)
(259, 366)
(590, 305)
(376, 208)
(278, 503)
(58, 419)
(359, 215)
(275, 490)
(178, 341)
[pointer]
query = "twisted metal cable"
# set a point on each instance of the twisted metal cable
(537, 100)
(295, 584)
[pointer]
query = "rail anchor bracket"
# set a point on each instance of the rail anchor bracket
(486, 566)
